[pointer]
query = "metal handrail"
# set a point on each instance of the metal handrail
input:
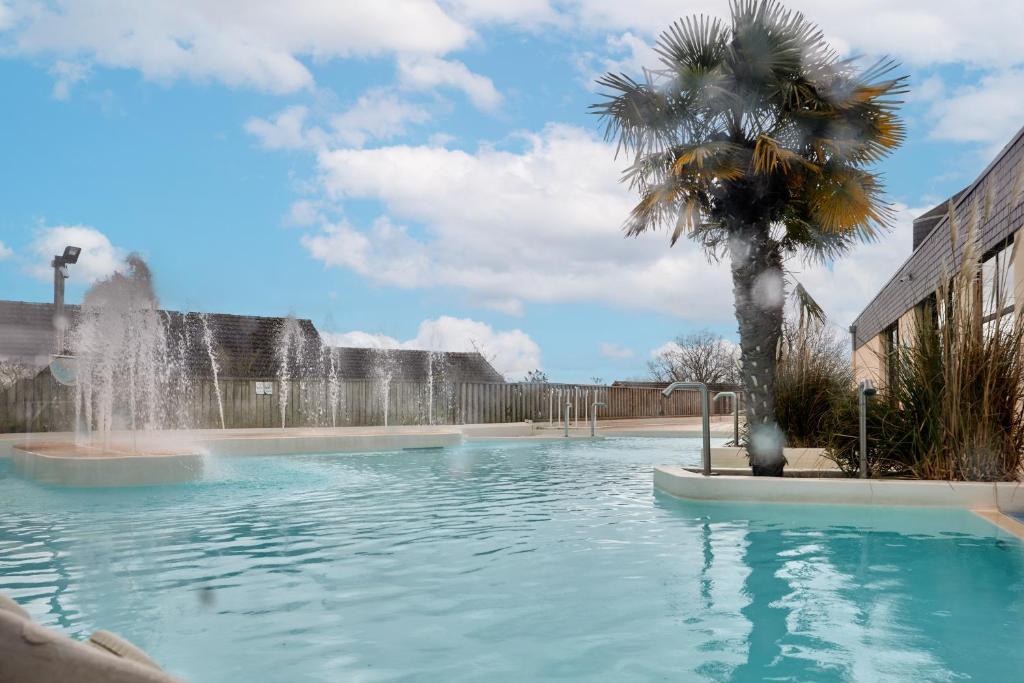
(735, 414)
(593, 417)
(705, 417)
(568, 407)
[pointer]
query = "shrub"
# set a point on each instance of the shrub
(954, 405)
(812, 374)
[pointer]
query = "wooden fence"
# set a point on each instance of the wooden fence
(40, 404)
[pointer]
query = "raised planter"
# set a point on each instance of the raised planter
(684, 483)
(65, 467)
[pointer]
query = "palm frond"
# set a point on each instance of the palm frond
(807, 305)
(657, 205)
(847, 199)
(711, 159)
(637, 114)
(770, 156)
(693, 44)
(689, 218)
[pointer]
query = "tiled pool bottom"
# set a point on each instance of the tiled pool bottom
(510, 561)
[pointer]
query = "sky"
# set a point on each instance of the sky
(425, 173)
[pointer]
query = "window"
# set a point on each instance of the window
(891, 341)
(997, 300)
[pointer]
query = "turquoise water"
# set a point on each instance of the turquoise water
(510, 562)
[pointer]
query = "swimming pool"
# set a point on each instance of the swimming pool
(510, 561)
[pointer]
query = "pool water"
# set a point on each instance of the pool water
(510, 561)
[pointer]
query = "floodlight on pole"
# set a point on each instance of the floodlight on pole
(60, 274)
(864, 391)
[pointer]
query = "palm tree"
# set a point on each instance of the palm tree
(757, 141)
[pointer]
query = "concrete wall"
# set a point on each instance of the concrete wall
(907, 325)
(869, 361)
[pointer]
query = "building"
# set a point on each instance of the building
(246, 347)
(994, 199)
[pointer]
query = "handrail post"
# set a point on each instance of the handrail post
(705, 417)
(706, 451)
(593, 418)
(735, 413)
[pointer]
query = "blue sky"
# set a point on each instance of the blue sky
(423, 172)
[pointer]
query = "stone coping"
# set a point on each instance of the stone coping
(683, 483)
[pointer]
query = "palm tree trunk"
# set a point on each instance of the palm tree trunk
(759, 296)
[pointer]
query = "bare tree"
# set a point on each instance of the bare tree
(13, 370)
(699, 357)
(536, 376)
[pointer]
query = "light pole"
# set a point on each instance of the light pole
(60, 274)
(867, 388)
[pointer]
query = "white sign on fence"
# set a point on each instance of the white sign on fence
(264, 388)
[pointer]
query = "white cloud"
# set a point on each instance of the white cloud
(625, 53)
(509, 306)
(6, 17)
(511, 352)
(304, 213)
(5, 251)
(667, 348)
(260, 44)
(428, 73)
(609, 350)
(378, 114)
(365, 340)
(286, 130)
(268, 45)
(540, 225)
(988, 111)
(385, 252)
(99, 258)
(66, 74)
(526, 13)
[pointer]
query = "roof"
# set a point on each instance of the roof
(917, 278)
(926, 222)
(246, 346)
(651, 384)
(26, 331)
(410, 365)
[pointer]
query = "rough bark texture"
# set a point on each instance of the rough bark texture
(758, 295)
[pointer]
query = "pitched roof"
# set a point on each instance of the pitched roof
(26, 330)
(245, 347)
(410, 365)
(935, 256)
